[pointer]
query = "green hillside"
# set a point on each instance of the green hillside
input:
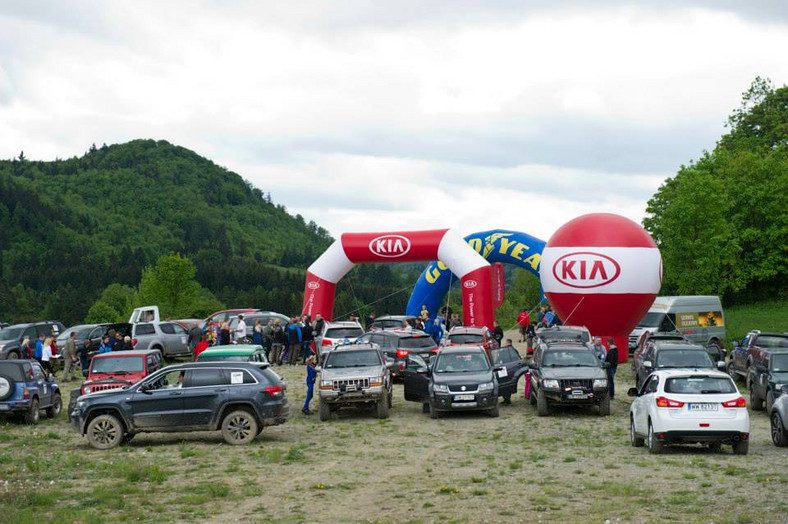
(69, 228)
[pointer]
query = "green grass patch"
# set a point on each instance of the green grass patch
(766, 316)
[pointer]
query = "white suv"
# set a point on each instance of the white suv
(680, 406)
(335, 333)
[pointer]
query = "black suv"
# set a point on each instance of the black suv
(665, 354)
(768, 378)
(237, 398)
(568, 373)
(399, 344)
(12, 336)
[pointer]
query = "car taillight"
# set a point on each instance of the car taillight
(325, 342)
(26, 394)
(434, 350)
(738, 403)
(663, 402)
(402, 353)
(275, 391)
(133, 341)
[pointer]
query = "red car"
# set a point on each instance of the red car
(472, 336)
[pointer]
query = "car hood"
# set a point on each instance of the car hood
(780, 376)
(573, 372)
(462, 378)
(104, 395)
(345, 373)
(131, 378)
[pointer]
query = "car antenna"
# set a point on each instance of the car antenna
(566, 320)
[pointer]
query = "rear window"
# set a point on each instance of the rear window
(13, 371)
(684, 359)
(780, 363)
(351, 332)
(700, 385)
(144, 329)
(417, 343)
(196, 378)
(386, 324)
(504, 355)
(118, 365)
(466, 338)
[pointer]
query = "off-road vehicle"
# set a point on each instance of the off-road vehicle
(25, 390)
(353, 375)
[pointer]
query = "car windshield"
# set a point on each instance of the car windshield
(570, 358)
(352, 359)
(651, 320)
(349, 332)
(700, 385)
(682, 358)
(11, 333)
(118, 365)
(223, 358)
(772, 341)
(385, 324)
(417, 343)
(461, 363)
(466, 338)
(780, 363)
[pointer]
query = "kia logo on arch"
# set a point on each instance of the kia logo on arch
(586, 269)
(390, 246)
(469, 284)
(313, 285)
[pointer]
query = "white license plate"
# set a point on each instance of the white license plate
(464, 397)
(578, 394)
(350, 388)
(703, 406)
(4, 407)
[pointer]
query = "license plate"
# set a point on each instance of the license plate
(578, 394)
(703, 406)
(464, 397)
(350, 388)
(4, 407)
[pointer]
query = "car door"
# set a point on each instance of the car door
(173, 337)
(416, 384)
(158, 403)
(760, 380)
(204, 390)
(511, 364)
(144, 334)
(43, 385)
(642, 403)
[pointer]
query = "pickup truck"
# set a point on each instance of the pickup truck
(755, 345)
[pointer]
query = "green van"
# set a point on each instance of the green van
(253, 353)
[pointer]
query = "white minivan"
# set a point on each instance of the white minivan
(699, 319)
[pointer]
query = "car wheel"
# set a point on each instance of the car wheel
(383, 408)
(755, 400)
(769, 400)
(104, 432)
(434, 413)
(542, 408)
(715, 447)
(32, 414)
(741, 448)
(390, 399)
(532, 397)
(239, 427)
(779, 433)
(732, 371)
(6, 387)
(323, 411)
(495, 412)
(13, 355)
(604, 406)
(56, 407)
(655, 447)
(637, 442)
(425, 408)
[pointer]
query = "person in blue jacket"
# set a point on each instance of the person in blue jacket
(311, 376)
(105, 347)
(437, 330)
(294, 337)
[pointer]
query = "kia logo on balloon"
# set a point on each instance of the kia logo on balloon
(390, 246)
(586, 269)
(469, 284)
(313, 285)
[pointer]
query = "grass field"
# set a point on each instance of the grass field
(766, 316)
(573, 466)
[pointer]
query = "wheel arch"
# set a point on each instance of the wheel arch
(230, 406)
(106, 410)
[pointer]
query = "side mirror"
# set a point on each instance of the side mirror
(721, 365)
(318, 368)
(423, 371)
(497, 369)
(632, 392)
(647, 364)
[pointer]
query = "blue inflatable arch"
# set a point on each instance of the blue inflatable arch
(497, 245)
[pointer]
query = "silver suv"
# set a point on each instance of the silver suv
(353, 375)
(168, 337)
(336, 333)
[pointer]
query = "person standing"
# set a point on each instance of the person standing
(268, 338)
(370, 319)
(257, 332)
(195, 336)
(319, 324)
(612, 360)
(530, 335)
(523, 320)
(311, 376)
(70, 357)
(278, 343)
(46, 356)
(497, 332)
(307, 336)
(240, 330)
(201, 346)
(84, 354)
(39, 351)
(599, 349)
(294, 337)
(437, 331)
(224, 334)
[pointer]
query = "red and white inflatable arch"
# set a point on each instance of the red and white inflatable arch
(403, 246)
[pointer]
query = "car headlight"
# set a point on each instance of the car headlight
(327, 383)
(80, 404)
(440, 388)
(781, 388)
(550, 384)
(600, 383)
(87, 389)
(487, 386)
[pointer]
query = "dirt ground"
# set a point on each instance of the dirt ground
(573, 466)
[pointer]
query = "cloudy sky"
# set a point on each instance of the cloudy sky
(369, 115)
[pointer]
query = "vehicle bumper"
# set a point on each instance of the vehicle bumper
(448, 401)
(76, 421)
(691, 436)
(12, 406)
(371, 394)
(691, 429)
(276, 414)
(72, 402)
(589, 398)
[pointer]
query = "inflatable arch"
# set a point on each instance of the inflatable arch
(404, 246)
(496, 246)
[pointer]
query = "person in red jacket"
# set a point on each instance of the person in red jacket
(201, 346)
(523, 319)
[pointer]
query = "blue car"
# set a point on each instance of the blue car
(25, 390)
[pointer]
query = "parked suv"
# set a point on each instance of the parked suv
(647, 337)
(238, 398)
(673, 354)
(754, 345)
(572, 333)
(470, 335)
(92, 332)
(568, 373)
(768, 378)
(25, 390)
(392, 322)
(398, 345)
(334, 333)
(168, 337)
(117, 369)
(353, 375)
(11, 337)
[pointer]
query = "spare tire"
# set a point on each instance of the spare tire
(6, 387)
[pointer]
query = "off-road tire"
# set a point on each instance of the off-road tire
(495, 411)
(741, 448)
(756, 402)
(655, 447)
(532, 397)
(731, 368)
(769, 401)
(9, 383)
(239, 427)
(434, 413)
(425, 408)
(56, 407)
(382, 407)
(13, 355)
(637, 442)
(779, 434)
(390, 399)
(604, 406)
(323, 411)
(32, 415)
(104, 432)
(542, 409)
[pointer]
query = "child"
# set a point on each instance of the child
(311, 375)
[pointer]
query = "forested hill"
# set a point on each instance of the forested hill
(68, 228)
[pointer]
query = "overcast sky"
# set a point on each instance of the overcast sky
(370, 115)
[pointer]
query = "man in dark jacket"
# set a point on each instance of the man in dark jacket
(294, 339)
(195, 336)
(612, 360)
